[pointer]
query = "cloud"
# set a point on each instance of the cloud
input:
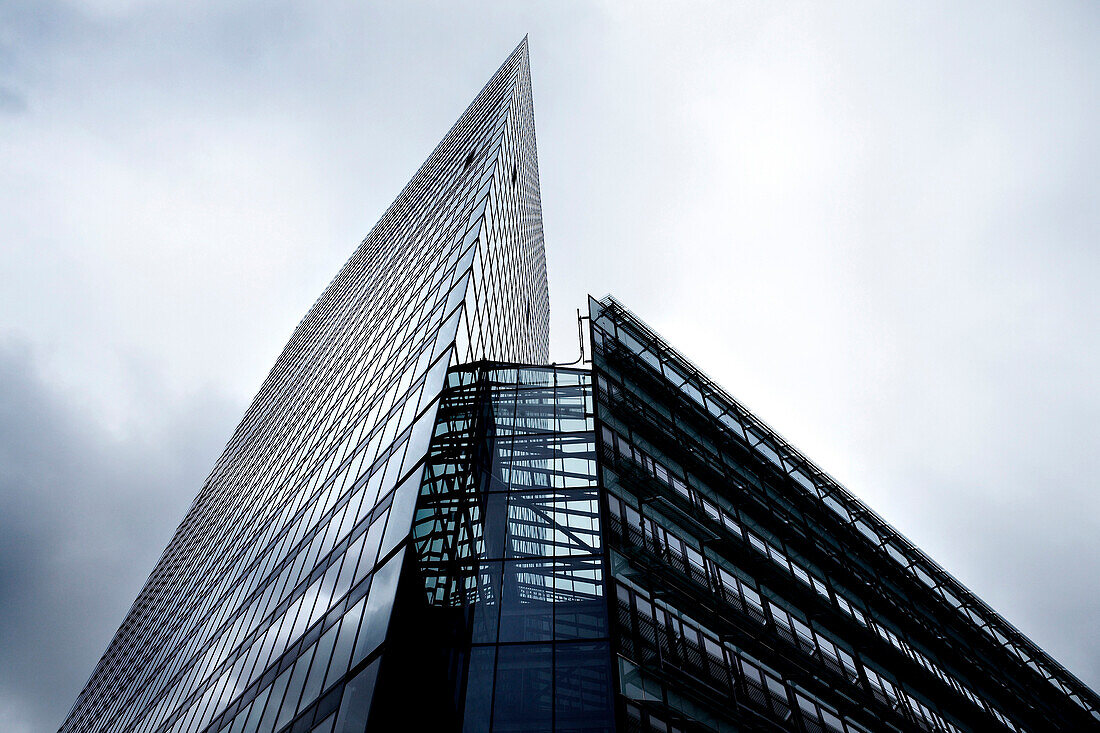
(11, 101)
(83, 518)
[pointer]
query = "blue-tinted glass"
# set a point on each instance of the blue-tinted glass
(252, 723)
(341, 654)
(401, 512)
(294, 689)
(582, 688)
(494, 524)
(487, 603)
(355, 705)
(530, 524)
(313, 686)
(523, 700)
(580, 611)
(274, 702)
(325, 726)
(376, 615)
(479, 690)
(527, 611)
(370, 545)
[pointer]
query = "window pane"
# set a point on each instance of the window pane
(527, 611)
(582, 688)
(355, 705)
(524, 689)
(479, 689)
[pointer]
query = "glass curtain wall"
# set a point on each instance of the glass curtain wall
(508, 530)
(273, 595)
(750, 589)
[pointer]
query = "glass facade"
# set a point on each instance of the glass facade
(510, 554)
(271, 599)
(416, 527)
(752, 592)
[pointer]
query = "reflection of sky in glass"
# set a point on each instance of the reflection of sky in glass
(345, 415)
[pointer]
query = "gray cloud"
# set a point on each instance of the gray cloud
(11, 101)
(83, 517)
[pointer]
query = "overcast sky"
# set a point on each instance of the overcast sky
(876, 225)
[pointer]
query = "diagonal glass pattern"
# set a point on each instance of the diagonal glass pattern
(508, 533)
(280, 578)
(743, 572)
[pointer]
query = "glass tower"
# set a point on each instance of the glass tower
(280, 578)
(418, 525)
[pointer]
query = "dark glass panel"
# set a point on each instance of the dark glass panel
(479, 690)
(527, 611)
(487, 605)
(523, 700)
(376, 614)
(355, 705)
(582, 688)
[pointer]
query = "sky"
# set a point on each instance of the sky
(876, 224)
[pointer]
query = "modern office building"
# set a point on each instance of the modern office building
(419, 525)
